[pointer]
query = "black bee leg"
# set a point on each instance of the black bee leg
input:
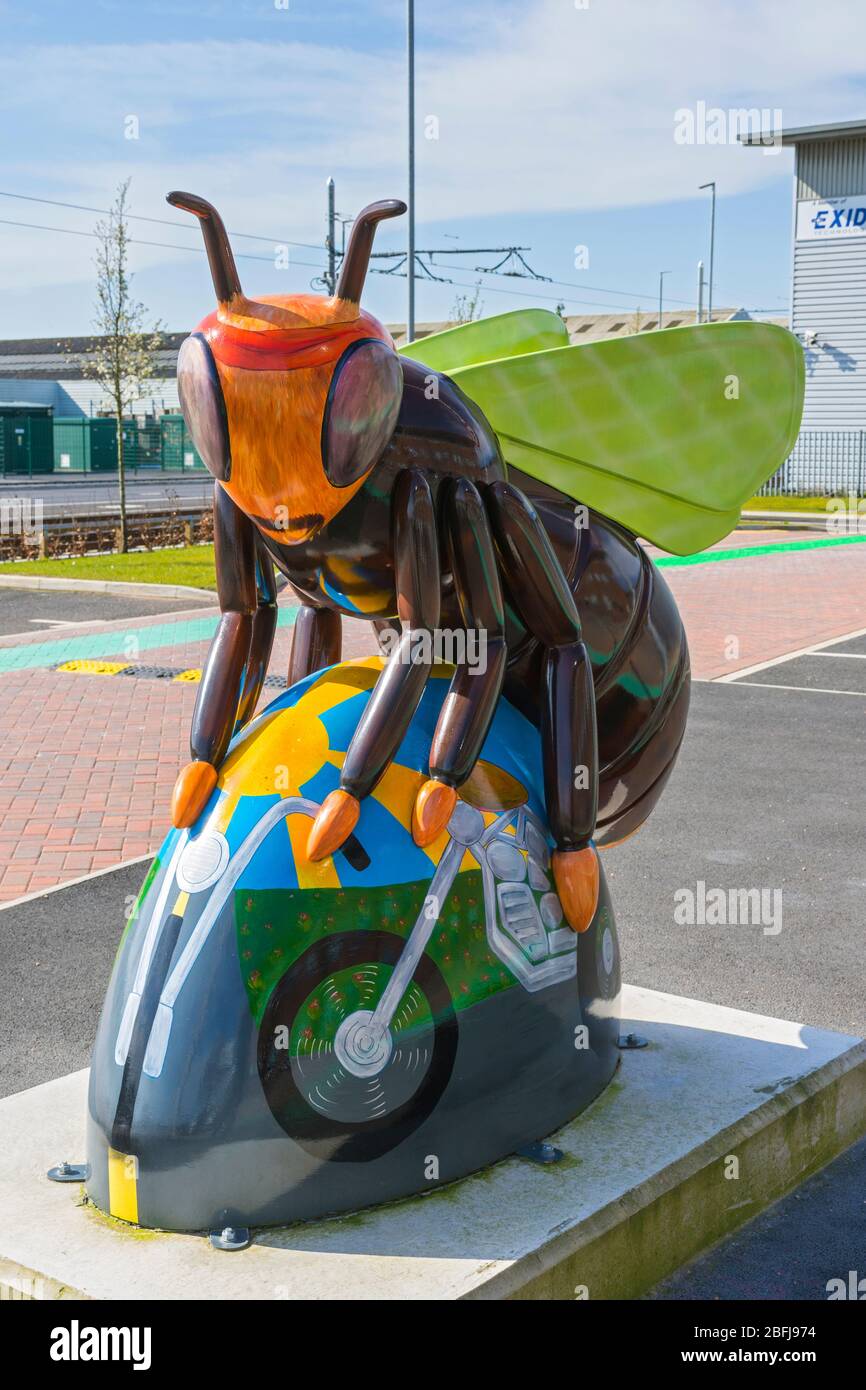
(317, 641)
(262, 639)
(223, 677)
(387, 632)
(399, 688)
(542, 596)
(475, 687)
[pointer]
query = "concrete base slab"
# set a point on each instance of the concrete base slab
(720, 1115)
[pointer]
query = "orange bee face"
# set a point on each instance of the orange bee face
(290, 399)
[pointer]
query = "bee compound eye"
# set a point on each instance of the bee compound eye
(203, 406)
(361, 411)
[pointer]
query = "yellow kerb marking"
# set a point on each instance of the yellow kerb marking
(123, 1186)
(187, 676)
(94, 668)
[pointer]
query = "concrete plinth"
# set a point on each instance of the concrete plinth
(721, 1114)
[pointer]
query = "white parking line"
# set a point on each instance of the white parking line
(816, 647)
(844, 656)
(809, 689)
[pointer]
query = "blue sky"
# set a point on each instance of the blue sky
(556, 126)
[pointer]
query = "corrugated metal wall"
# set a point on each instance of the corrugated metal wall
(829, 299)
(830, 168)
(86, 397)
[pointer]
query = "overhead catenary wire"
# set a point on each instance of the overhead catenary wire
(630, 295)
(311, 265)
(310, 246)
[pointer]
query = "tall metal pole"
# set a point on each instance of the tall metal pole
(332, 250)
(410, 260)
(662, 274)
(700, 313)
(712, 185)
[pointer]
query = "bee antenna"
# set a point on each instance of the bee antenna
(226, 280)
(357, 258)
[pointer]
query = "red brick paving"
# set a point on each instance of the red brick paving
(87, 763)
(740, 612)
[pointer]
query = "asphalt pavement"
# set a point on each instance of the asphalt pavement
(798, 1249)
(769, 794)
(46, 610)
(93, 493)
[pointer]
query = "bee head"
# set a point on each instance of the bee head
(290, 399)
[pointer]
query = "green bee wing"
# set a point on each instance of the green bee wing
(485, 340)
(668, 433)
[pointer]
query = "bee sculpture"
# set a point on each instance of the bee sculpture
(491, 479)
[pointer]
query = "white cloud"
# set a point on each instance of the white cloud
(541, 107)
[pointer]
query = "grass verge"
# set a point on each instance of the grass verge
(189, 565)
(786, 504)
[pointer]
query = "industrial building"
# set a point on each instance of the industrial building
(828, 306)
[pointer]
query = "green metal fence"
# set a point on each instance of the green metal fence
(85, 445)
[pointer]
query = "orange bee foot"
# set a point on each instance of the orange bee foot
(432, 812)
(191, 791)
(576, 874)
(337, 818)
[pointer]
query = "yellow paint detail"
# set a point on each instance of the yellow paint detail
(491, 788)
(335, 686)
(289, 749)
(310, 875)
(123, 1186)
(291, 745)
(187, 676)
(365, 601)
(180, 906)
(94, 668)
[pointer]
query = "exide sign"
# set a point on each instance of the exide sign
(820, 219)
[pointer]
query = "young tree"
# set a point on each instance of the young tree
(125, 354)
(467, 307)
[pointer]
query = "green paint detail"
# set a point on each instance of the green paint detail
(345, 992)
(275, 926)
(486, 340)
(745, 552)
(30, 656)
(136, 907)
(643, 429)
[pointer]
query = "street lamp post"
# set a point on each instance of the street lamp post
(410, 262)
(712, 185)
(332, 250)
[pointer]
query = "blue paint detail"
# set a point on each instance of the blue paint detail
(342, 721)
(325, 781)
(246, 817)
(394, 856)
(273, 864)
(337, 597)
